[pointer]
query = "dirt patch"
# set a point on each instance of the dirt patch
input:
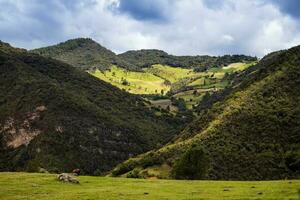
(23, 137)
(18, 133)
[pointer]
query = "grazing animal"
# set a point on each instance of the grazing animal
(76, 171)
(67, 178)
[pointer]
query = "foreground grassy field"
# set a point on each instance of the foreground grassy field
(44, 186)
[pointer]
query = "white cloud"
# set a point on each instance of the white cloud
(192, 27)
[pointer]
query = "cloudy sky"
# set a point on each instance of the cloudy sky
(180, 27)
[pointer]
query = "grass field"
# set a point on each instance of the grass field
(44, 186)
(137, 82)
(172, 74)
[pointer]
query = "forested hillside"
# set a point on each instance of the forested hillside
(147, 58)
(56, 117)
(85, 54)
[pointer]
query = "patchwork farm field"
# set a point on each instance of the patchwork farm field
(160, 79)
(29, 186)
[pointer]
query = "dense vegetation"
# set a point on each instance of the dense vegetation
(85, 54)
(147, 58)
(251, 132)
(56, 117)
(29, 186)
(193, 164)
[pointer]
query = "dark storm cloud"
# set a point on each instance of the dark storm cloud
(290, 7)
(153, 10)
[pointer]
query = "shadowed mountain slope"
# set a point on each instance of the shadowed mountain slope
(57, 117)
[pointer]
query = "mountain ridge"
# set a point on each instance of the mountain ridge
(93, 55)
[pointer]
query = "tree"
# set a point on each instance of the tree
(292, 160)
(162, 92)
(168, 108)
(226, 76)
(193, 165)
(166, 82)
(125, 82)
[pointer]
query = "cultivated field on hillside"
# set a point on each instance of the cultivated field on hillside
(160, 79)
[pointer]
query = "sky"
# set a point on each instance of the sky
(179, 27)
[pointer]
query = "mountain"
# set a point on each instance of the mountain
(149, 57)
(251, 132)
(57, 117)
(85, 54)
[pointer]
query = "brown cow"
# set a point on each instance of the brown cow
(76, 172)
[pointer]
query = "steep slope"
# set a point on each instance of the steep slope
(57, 117)
(148, 57)
(252, 132)
(84, 53)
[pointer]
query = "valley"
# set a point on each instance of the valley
(149, 100)
(171, 82)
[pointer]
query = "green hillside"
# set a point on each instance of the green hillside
(250, 133)
(171, 74)
(132, 81)
(56, 117)
(17, 186)
(85, 54)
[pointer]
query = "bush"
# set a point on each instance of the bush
(32, 166)
(193, 165)
(125, 82)
(97, 172)
(292, 160)
(133, 174)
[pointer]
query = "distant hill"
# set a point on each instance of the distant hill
(56, 117)
(85, 54)
(250, 133)
(147, 58)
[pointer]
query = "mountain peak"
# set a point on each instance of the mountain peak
(77, 43)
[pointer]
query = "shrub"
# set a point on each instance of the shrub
(32, 166)
(193, 164)
(292, 160)
(133, 174)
